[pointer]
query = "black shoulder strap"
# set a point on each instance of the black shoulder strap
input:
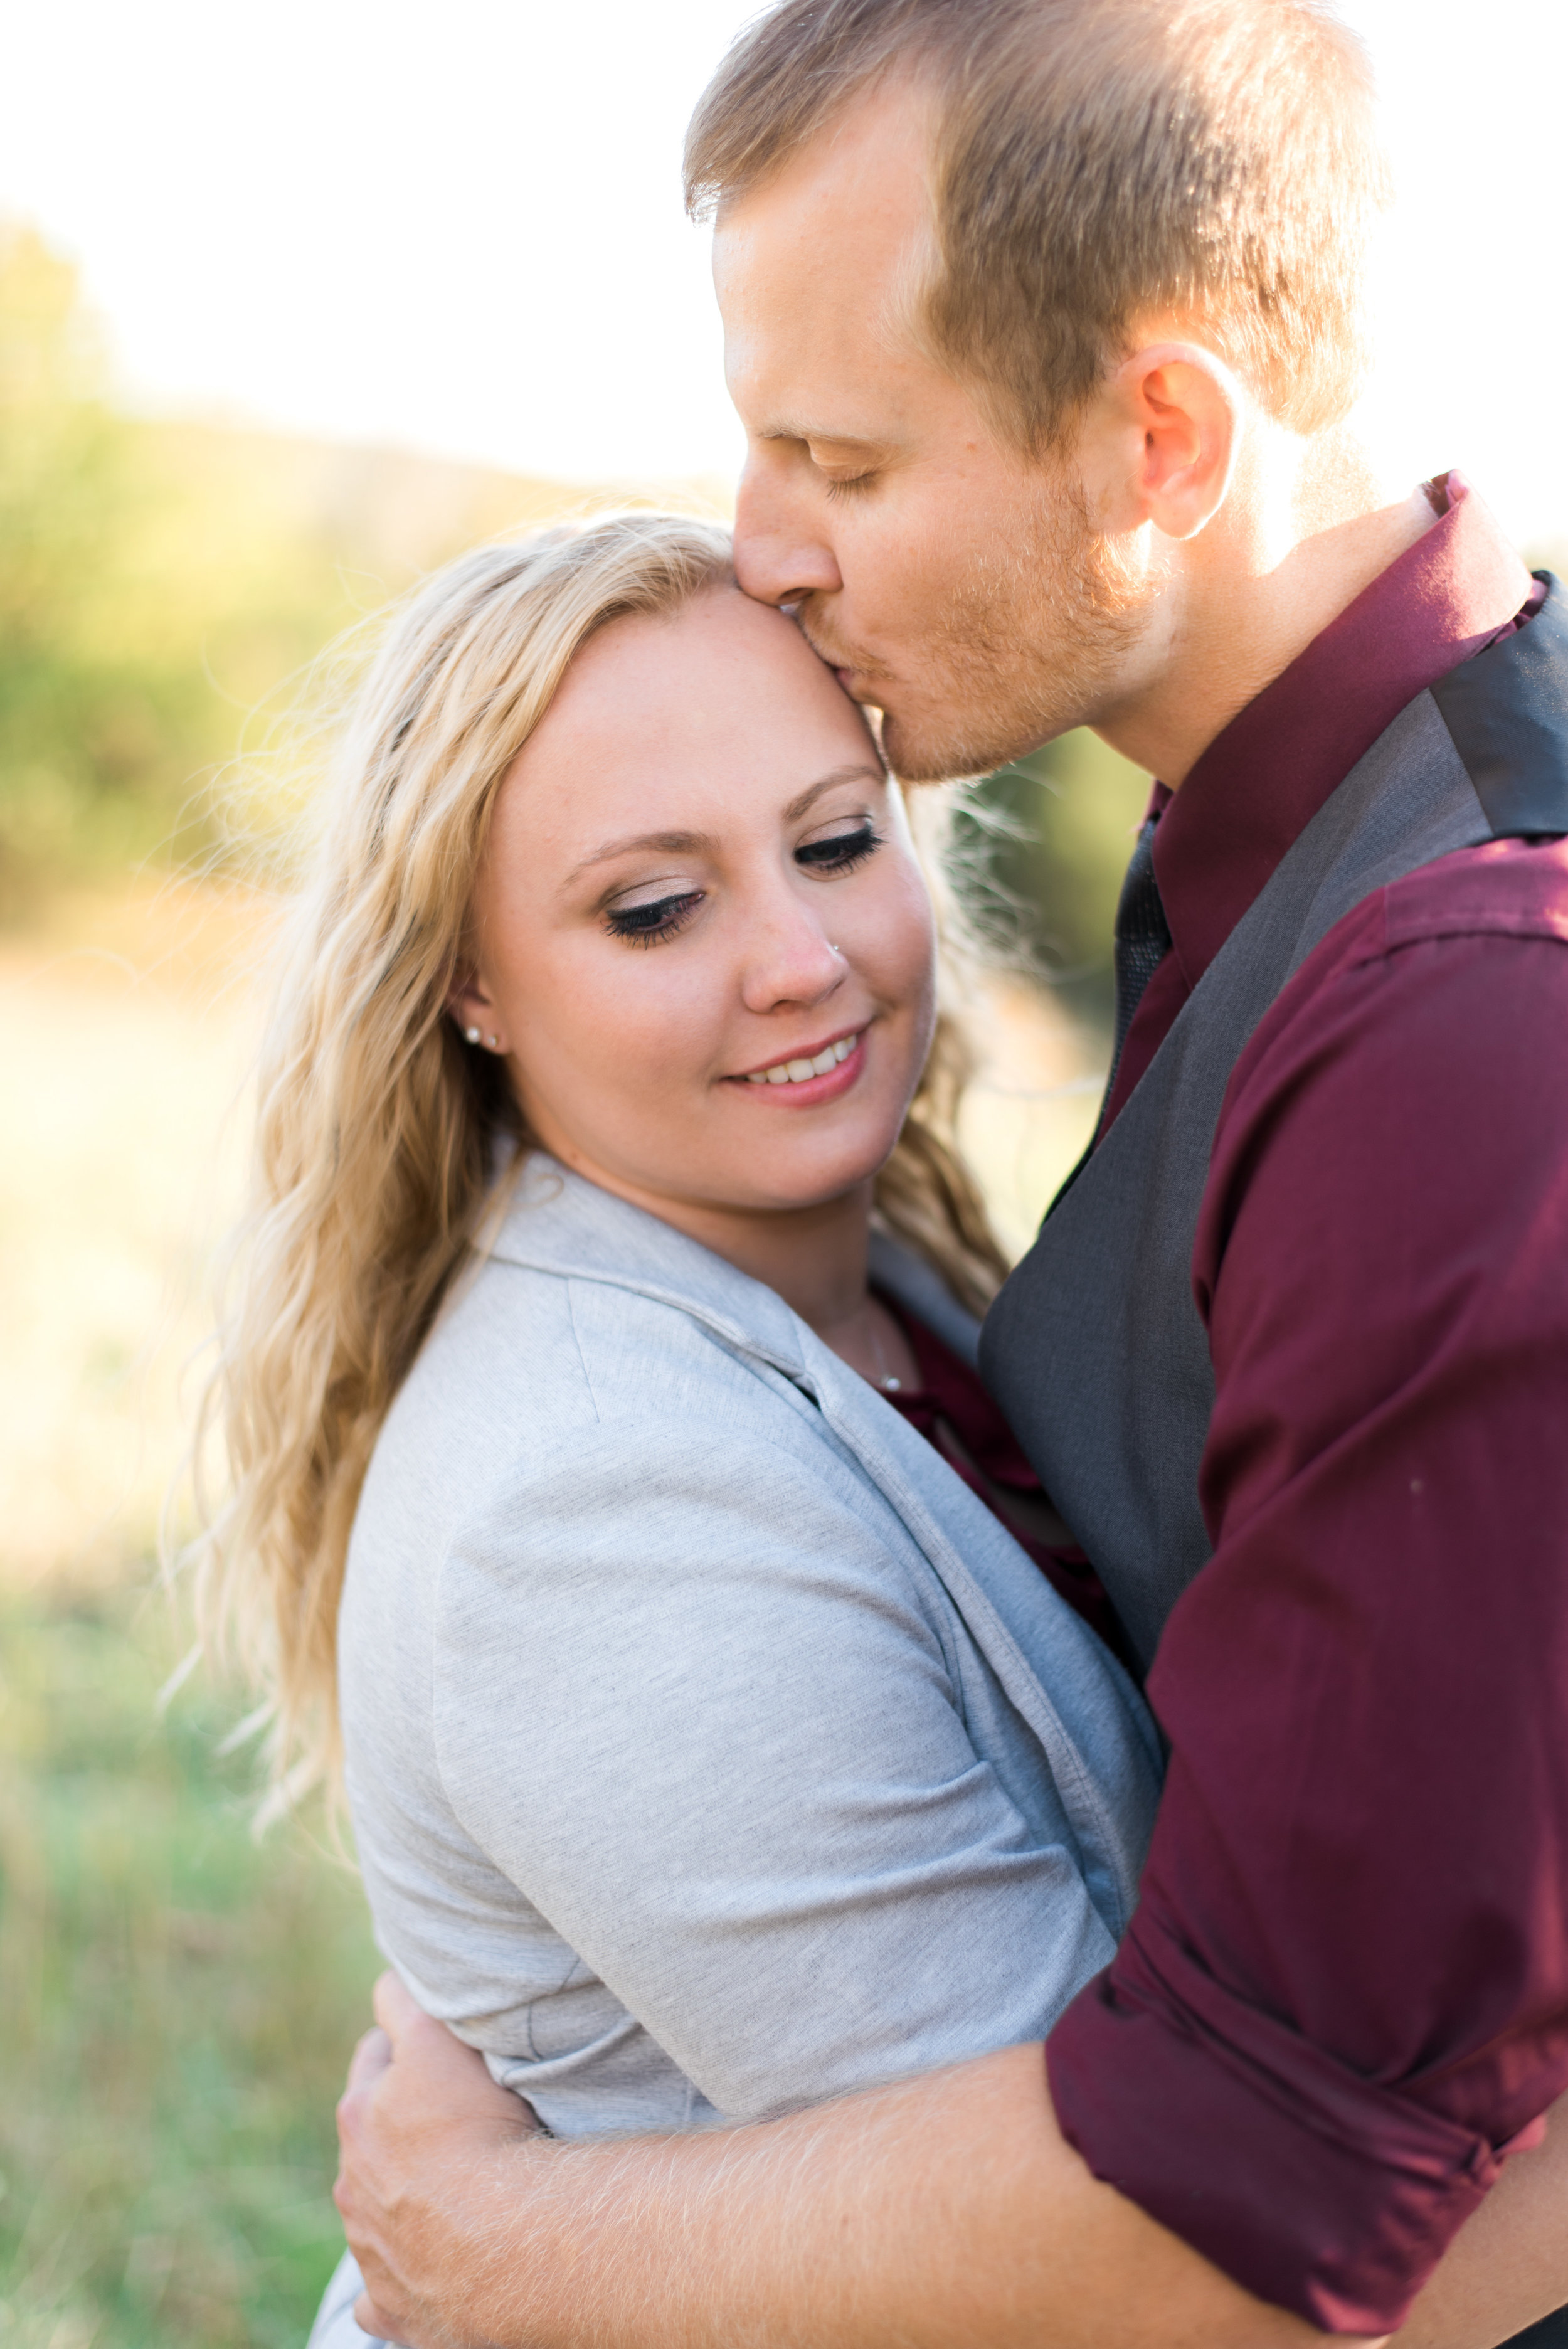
(1507, 711)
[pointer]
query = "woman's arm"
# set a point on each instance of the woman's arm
(938, 2214)
(703, 1703)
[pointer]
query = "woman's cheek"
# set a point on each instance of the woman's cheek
(911, 959)
(648, 1032)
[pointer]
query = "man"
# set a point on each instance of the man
(1043, 318)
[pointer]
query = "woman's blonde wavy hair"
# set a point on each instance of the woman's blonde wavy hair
(378, 1126)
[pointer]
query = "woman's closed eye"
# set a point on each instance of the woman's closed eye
(847, 485)
(839, 851)
(651, 920)
(659, 918)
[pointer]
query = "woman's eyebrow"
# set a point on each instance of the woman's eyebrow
(687, 843)
(858, 774)
(670, 844)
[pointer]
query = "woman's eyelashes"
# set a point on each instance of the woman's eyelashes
(649, 923)
(839, 851)
(646, 925)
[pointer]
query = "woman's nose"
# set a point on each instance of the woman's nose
(781, 555)
(789, 959)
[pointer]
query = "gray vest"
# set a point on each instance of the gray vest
(1094, 1347)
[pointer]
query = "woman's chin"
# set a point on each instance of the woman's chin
(793, 1166)
(775, 1194)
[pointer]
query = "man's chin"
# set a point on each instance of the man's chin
(925, 750)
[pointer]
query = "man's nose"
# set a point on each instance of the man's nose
(782, 554)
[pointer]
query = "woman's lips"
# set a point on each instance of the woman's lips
(802, 1083)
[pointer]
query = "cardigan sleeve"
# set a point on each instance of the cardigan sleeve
(694, 1704)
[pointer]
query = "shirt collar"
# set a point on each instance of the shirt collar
(1260, 781)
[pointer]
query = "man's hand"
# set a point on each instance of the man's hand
(419, 2113)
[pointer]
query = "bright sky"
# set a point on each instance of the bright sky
(459, 228)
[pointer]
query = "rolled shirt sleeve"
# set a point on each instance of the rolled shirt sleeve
(1344, 1992)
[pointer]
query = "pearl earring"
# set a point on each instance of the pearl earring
(471, 1035)
(495, 1043)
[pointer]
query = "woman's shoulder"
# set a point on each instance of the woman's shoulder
(580, 1333)
(524, 1363)
(587, 1304)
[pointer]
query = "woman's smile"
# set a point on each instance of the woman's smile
(815, 1073)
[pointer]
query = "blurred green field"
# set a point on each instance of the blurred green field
(177, 2000)
(178, 2004)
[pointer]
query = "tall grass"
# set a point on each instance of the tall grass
(176, 2002)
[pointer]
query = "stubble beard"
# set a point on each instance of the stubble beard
(1033, 641)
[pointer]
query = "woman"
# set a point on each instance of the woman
(712, 1745)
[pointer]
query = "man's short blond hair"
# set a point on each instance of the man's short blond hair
(1097, 164)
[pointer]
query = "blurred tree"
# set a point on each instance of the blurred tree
(119, 614)
(164, 586)
(63, 492)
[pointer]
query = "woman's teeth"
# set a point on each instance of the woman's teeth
(795, 1072)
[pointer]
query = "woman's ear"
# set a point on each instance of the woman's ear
(473, 1008)
(1172, 416)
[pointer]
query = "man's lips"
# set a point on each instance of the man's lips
(845, 668)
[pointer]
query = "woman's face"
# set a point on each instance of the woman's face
(700, 934)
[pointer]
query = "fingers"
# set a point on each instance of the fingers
(419, 2111)
(396, 2012)
(417, 2042)
(369, 2060)
(432, 2074)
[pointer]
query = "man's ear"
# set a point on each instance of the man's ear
(1178, 415)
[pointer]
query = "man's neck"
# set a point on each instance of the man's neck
(1239, 613)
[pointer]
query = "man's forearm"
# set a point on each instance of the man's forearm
(948, 2211)
(936, 2215)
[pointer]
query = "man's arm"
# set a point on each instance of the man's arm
(938, 2214)
(1345, 1992)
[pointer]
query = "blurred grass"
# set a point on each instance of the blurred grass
(179, 2002)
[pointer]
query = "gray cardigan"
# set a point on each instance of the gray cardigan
(710, 1747)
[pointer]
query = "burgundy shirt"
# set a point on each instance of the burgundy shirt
(1344, 1991)
(951, 1400)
